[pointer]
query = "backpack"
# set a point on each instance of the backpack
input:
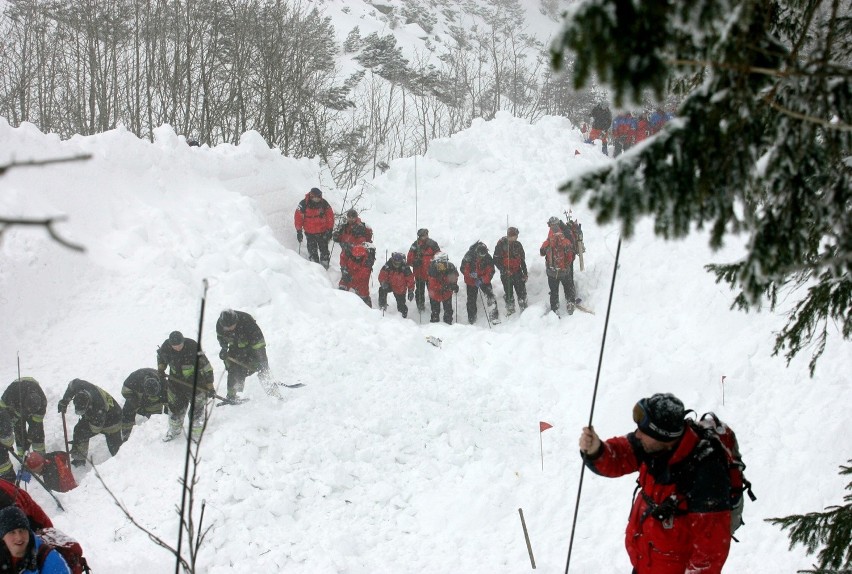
(68, 548)
(722, 437)
(573, 231)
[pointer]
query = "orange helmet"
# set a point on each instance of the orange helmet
(34, 461)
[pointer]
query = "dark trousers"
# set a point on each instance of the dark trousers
(436, 310)
(472, 303)
(420, 293)
(237, 373)
(317, 247)
(514, 283)
(400, 301)
(83, 431)
(564, 277)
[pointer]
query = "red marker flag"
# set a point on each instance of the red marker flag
(543, 426)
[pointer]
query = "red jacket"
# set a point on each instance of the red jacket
(558, 252)
(9, 494)
(399, 279)
(694, 538)
(441, 281)
(314, 217)
(482, 266)
(355, 273)
(509, 257)
(354, 232)
(420, 255)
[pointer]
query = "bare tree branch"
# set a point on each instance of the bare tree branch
(46, 223)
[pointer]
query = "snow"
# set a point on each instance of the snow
(397, 456)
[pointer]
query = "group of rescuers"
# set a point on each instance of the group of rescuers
(425, 268)
(146, 391)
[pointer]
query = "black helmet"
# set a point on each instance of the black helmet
(482, 250)
(228, 318)
(175, 338)
(151, 386)
(422, 232)
(82, 402)
(553, 221)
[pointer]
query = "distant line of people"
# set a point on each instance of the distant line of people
(425, 269)
(625, 130)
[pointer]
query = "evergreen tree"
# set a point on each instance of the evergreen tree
(830, 530)
(761, 145)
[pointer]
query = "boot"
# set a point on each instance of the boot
(175, 428)
(324, 262)
(569, 307)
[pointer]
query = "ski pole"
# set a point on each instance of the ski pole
(484, 307)
(594, 397)
(22, 421)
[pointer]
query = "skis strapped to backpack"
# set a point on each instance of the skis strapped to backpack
(721, 435)
(67, 547)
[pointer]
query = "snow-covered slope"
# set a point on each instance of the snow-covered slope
(396, 456)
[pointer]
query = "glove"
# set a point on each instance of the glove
(62, 406)
(474, 275)
(24, 476)
(223, 354)
(78, 463)
(411, 295)
(454, 288)
(524, 278)
(299, 235)
(385, 286)
(478, 282)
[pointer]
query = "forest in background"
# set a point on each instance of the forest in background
(214, 69)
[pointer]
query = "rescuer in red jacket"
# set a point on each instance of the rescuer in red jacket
(396, 277)
(315, 217)
(680, 522)
(420, 256)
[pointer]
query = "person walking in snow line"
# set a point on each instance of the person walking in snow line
(54, 468)
(601, 122)
(681, 517)
(99, 414)
(243, 350)
(26, 404)
(559, 258)
(356, 267)
(511, 261)
(179, 354)
(352, 231)
(624, 131)
(396, 277)
(22, 549)
(443, 282)
(477, 267)
(144, 394)
(315, 217)
(419, 257)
